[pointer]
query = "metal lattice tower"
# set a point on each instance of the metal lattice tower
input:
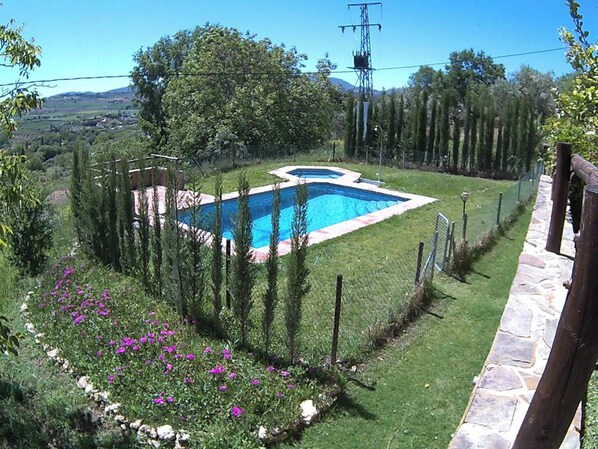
(362, 60)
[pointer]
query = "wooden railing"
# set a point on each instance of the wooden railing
(575, 347)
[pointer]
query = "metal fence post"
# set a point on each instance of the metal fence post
(499, 206)
(337, 318)
(418, 268)
(519, 190)
(464, 226)
(227, 274)
(434, 246)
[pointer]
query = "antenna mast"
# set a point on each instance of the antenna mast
(362, 60)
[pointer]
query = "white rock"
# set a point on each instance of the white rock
(24, 307)
(135, 425)
(53, 353)
(152, 433)
(82, 382)
(112, 408)
(166, 433)
(143, 429)
(89, 389)
(30, 293)
(30, 328)
(183, 437)
(120, 419)
(308, 411)
(262, 433)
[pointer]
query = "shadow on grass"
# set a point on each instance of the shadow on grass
(354, 408)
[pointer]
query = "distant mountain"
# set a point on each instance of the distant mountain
(344, 85)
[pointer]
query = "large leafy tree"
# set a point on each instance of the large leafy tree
(577, 119)
(232, 83)
(468, 68)
(154, 68)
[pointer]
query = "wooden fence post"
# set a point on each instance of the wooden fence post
(575, 347)
(337, 318)
(560, 190)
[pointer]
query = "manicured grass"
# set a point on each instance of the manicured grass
(378, 262)
(415, 391)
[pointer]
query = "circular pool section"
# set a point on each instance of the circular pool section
(319, 173)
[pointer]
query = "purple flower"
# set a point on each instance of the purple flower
(143, 340)
(188, 380)
(79, 319)
(169, 349)
(255, 382)
(208, 350)
(111, 378)
(121, 350)
(218, 370)
(284, 373)
(159, 401)
(148, 362)
(279, 395)
(111, 342)
(232, 375)
(170, 399)
(223, 388)
(226, 354)
(99, 353)
(271, 369)
(291, 386)
(237, 411)
(190, 356)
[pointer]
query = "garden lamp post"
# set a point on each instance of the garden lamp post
(464, 197)
(379, 129)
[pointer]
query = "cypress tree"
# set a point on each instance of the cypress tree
(489, 141)
(360, 129)
(391, 138)
(349, 147)
(400, 122)
(143, 233)
(506, 140)
(76, 190)
(499, 147)
(466, 133)
(422, 120)
(157, 236)
(172, 250)
(444, 125)
(271, 294)
(114, 244)
(126, 218)
(243, 276)
(194, 274)
(481, 142)
(297, 271)
(531, 140)
(216, 273)
(456, 139)
(473, 129)
(432, 133)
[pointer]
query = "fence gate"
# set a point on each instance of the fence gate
(442, 228)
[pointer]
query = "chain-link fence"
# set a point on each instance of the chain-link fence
(375, 288)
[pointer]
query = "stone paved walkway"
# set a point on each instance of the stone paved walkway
(520, 350)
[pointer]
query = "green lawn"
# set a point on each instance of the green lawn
(378, 262)
(413, 393)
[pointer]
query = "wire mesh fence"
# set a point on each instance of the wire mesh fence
(375, 288)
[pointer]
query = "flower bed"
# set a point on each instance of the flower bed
(160, 369)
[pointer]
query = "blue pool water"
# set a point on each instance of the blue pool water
(328, 204)
(315, 173)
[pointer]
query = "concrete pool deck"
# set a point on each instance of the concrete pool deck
(348, 179)
(518, 356)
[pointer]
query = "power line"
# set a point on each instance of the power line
(335, 72)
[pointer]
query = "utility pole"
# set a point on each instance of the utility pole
(362, 61)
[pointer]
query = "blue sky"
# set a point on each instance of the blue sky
(85, 38)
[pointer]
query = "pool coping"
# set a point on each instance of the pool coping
(350, 179)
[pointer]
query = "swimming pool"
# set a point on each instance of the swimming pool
(319, 173)
(328, 204)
